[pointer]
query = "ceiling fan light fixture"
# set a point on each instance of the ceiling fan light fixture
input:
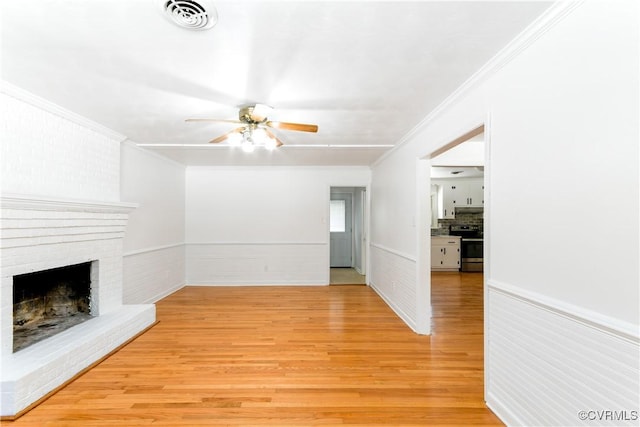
(270, 144)
(248, 146)
(256, 128)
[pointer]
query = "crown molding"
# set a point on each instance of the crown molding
(141, 148)
(549, 18)
(23, 95)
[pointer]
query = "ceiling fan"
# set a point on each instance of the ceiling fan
(255, 128)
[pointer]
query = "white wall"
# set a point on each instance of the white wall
(154, 263)
(261, 225)
(48, 151)
(561, 216)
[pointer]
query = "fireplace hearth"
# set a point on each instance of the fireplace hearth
(48, 302)
(43, 235)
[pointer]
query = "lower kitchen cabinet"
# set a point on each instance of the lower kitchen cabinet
(445, 253)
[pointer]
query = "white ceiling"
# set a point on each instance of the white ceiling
(366, 72)
(465, 160)
(468, 153)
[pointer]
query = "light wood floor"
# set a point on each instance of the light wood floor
(288, 356)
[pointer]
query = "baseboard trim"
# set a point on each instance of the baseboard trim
(257, 283)
(164, 293)
(255, 243)
(501, 411)
(401, 314)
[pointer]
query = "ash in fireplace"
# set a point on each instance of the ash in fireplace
(45, 307)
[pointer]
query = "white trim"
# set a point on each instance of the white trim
(401, 314)
(45, 203)
(48, 106)
(259, 283)
(501, 411)
(487, 216)
(152, 249)
(351, 182)
(220, 146)
(257, 243)
(535, 30)
(140, 148)
(164, 293)
(394, 252)
(589, 318)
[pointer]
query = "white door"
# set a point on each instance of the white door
(340, 228)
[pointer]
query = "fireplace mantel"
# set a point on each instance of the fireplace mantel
(30, 202)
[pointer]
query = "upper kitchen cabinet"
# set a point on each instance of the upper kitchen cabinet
(475, 193)
(459, 193)
(459, 175)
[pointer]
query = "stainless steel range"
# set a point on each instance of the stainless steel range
(471, 246)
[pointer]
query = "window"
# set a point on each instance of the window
(337, 216)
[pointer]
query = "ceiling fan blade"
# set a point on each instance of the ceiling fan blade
(271, 135)
(260, 112)
(226, 135)
(213, 120)
(293, 126)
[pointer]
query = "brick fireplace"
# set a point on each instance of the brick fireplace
(41, 234)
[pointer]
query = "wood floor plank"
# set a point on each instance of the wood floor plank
(334, 355)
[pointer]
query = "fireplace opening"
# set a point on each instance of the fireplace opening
(47, 302)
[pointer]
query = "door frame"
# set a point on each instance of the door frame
(423, 215)
(366, 226)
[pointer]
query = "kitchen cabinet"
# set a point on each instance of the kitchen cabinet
(459, 193)
(475, 193)
(445, 253)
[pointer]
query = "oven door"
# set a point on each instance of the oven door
(472, 254)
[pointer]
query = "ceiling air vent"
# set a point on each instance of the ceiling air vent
(194, 15)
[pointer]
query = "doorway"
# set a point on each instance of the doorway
(430, 201)
(347, 235)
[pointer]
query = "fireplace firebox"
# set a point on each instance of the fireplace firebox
(48, 302)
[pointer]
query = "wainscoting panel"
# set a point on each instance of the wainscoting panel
(551, 365)
(152, 274)
(393, 277)
(257, 264)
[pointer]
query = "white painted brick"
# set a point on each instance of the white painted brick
(60, 240)
(153, 274)
(213, 264)
(393, 276)
(43, 153)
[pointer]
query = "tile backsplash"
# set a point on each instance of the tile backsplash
(466, 218)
